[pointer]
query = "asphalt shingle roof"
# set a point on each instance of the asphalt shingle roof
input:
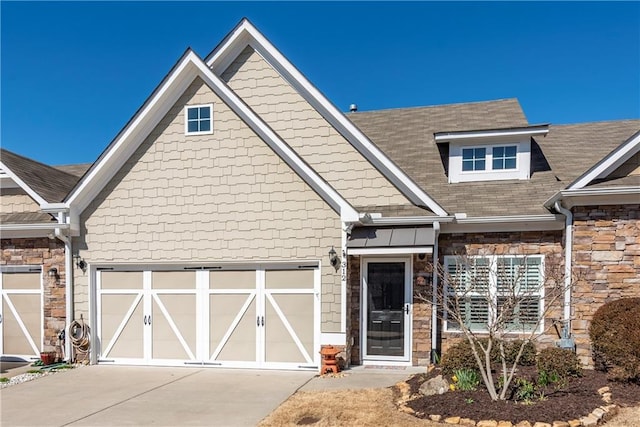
(50, 183)
(406, 136)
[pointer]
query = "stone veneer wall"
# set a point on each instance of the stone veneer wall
(547, 243)
(421, 315)
(606, 257)
(48, 254)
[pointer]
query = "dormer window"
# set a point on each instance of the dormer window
(198, 119)
(490, 155)
(473, 159)
(505, 157)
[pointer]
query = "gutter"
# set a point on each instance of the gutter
(434, 292)
(564, 194)
(568, 249)
(408, 220)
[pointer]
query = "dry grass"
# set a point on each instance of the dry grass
(367, 407)
(370, 407)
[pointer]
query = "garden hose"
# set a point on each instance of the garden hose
(79, 336)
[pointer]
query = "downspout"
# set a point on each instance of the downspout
(434, 291)
(568, 250)
(68, 269)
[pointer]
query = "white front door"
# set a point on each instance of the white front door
(386, 308)
(21, 317)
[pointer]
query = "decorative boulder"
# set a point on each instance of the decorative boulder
(437, 385)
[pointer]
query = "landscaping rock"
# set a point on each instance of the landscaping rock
(435, 418)
(574, 423)
(452, 420)
(589, 421)
(487, 423)
(560, 424)
(598, 413)
(542, 425)
(437, 385)
(505, 424)
(604, 390)
(524, 423)
(467, 422)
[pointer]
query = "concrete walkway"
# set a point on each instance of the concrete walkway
(103, 395)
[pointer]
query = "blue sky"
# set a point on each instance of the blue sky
(72, 74)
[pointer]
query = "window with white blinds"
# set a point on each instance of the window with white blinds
(490, 290)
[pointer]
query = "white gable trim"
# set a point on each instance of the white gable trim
(15, 178)
(189, 67)
(246, 34)
(609, 164)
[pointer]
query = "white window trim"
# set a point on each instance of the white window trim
(186, 119)
(488, 158)
(493, 290)
(521, 171)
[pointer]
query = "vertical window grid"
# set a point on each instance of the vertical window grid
(474, 159)
(198, 119)
(488, 287)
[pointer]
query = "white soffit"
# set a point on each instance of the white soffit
(610, 163)
(246, 34)
(173, 86)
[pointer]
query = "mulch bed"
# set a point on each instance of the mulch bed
(577, 398)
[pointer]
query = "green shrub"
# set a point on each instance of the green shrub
(560, 362)
(459, 356)
(4, 380)
(615, 337)
(511, 348)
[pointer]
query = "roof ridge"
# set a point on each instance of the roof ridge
(433, 106)
(597, 122)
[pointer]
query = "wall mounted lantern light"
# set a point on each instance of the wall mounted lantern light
(53, 272)
(334, 259)
(80, 263)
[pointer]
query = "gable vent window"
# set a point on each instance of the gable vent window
(199, 119)
(504, 157)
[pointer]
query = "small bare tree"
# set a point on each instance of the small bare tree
(491, 298)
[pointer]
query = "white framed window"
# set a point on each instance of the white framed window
(495, 290)
(474, 159)
(489, 161)
(198, 119)
(504, 157)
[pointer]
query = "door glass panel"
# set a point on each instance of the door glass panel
(232, 279)
(173, 280)
(385, 308)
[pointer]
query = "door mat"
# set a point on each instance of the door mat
(397, 368)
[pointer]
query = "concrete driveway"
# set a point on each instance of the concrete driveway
(124, 395)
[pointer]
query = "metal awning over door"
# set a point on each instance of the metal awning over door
(390, 240)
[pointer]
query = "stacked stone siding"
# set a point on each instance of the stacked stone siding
(47, 254)
(606, 258)
(546, 243)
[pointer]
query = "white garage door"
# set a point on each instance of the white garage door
(255, 318)
(21, 312)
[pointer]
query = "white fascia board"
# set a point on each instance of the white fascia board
(311, 177)
(35, 196)
(134, 134)
(55, 208)
(596, 196)
(541, 222)
(492, 133)
(34, 226)
(409, 220)
(391, 250)
(610, 163)
(246, 33)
